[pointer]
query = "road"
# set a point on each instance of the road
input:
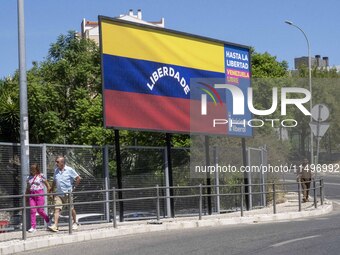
(317, 235)
(307, 236)
(332, 190)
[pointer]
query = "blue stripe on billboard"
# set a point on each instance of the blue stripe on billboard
(147, 77)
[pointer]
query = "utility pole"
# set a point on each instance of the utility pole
(24, 141)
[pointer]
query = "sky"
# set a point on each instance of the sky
(256, 23)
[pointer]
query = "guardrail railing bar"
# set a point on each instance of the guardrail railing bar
(200, 203)
(242, 200)
(24, 220)
(321, 191)
(114, 208)
(70, 200)
(158, 207)
(200, 195)
(299, 194)
(314, 192)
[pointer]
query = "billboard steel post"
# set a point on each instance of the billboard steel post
(119, 175)
(245, 178)
(207, 163)
(169, 164)
(217, 181)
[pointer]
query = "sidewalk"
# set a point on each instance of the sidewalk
(11, 242)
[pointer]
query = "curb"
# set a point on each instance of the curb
(14, 246)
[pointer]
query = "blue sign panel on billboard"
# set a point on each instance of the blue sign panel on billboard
(237, 71)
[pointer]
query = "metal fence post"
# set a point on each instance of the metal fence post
(114, 208)
(274, 199)
(314, 191)
(24, 217)
(106, 181)
(168, 198)
(44, 169)
(321, 191)
(299, 194)
(262, 179)
(158, 209)
(242, 199)
(70, 212)
(200, 204)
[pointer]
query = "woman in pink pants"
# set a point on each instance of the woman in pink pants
(35, 185)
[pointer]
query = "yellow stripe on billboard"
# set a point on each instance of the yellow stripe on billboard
(162, 46)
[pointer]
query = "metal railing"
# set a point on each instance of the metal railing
(272, 189)
(142, 166)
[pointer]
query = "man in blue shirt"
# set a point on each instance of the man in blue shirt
(65, 178)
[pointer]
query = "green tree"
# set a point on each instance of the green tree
(71, 80)
(9, 110)
(267, 73)
(264, 65)
(325, 84)
(45, 123)
(64, 96)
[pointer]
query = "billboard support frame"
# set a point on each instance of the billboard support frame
(245, 176)
(125, 123)
(119, 174)
(208, 179)
(170, 173)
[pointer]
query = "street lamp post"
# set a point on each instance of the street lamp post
(24, 141)
(310, 87)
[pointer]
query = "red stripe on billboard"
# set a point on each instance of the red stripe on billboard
(149, 112)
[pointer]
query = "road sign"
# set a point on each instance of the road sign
(320, 112)
(319, 132)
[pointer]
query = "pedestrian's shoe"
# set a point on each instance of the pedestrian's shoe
(75, 226)
(32, 230)
(53, 228)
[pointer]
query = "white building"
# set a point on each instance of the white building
(90, 29)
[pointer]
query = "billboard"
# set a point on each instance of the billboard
(147, 75)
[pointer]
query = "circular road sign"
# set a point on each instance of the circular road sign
(320, 112)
